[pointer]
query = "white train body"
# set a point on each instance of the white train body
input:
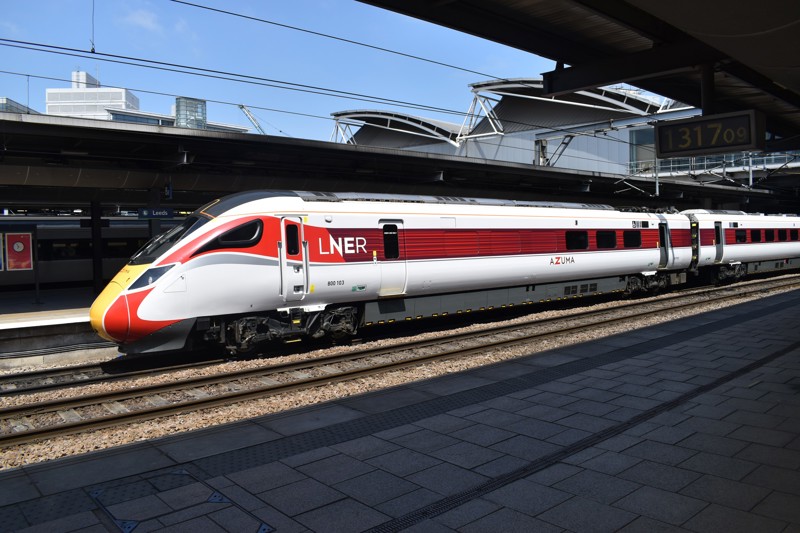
(268, 265)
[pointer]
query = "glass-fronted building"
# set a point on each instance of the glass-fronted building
(7, 105)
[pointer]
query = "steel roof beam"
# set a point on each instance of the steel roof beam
(481, 19)
(659, 61)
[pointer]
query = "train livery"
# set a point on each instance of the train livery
(275, 265)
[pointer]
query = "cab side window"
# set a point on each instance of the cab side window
(292, 239)
(243, 236)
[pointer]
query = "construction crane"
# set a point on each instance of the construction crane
(252, 119)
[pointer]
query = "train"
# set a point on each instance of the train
(263, 266)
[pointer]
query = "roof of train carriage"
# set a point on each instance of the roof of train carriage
(745, 52)
(226, 203)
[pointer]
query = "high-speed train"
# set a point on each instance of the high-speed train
(275, 265)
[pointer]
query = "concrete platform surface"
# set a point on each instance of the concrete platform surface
(20, 309)
(692, 425)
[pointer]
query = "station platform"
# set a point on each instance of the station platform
(692, 425)
(34, 329)
(54, 306)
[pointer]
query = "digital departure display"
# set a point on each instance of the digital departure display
(710, 134)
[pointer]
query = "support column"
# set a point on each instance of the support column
(96, 213)
(153, 202)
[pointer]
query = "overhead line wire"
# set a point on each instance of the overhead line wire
(216, 74)
(381, 49)
(160, 93)
(334, 37)
(484, 142)
(367, 45)
(253, 80)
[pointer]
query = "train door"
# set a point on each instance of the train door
(664, 244)
(393, 262)
(694, 232)
(293, 257)
(719, 240)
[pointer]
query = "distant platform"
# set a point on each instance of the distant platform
(57, 306)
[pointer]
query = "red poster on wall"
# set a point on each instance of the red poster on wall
(19, 251)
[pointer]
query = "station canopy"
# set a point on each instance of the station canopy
(425, 129)
(720, 56)
(499, 105)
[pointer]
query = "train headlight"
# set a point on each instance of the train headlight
(150, 276)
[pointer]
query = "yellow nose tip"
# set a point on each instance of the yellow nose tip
(99, 316)
(99, 308)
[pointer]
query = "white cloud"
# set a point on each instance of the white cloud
(10, 29)
(181, 26)
(143, 19)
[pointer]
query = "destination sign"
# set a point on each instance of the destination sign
(710, 134)
(156, 212)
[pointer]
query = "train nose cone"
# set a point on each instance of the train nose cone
(109, 314)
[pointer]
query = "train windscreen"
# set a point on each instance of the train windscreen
(159, 244)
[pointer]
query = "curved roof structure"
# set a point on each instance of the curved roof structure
(424, 128)
(500, 106)
(612, 98)
(524, 106)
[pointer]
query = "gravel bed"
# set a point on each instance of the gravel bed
(19, 455)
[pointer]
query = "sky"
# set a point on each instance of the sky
(263, 53)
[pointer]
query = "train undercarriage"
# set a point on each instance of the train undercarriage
(242, 334)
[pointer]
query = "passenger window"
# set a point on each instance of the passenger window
(793, 234)
(632, 239)
(292, 239)
(577, 240)
(391, 244)
(781, 234)
(769, 235)
(606, 239)
(741, 235)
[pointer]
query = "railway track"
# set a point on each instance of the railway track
(30, 422)
(15, 384)
(80, 375)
